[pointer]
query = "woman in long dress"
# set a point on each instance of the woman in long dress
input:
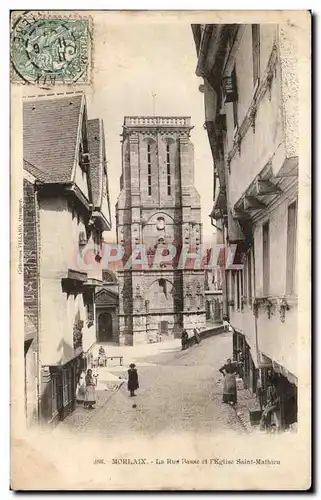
(133, 384)
(229, 371)
(90, 393)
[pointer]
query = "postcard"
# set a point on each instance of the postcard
(160, 250)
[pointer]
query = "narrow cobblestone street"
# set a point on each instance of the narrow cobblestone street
(179, 391)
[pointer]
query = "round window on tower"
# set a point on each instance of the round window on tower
(160, 223)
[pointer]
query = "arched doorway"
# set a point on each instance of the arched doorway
(105, 327)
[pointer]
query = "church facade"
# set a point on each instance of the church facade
(158, 211)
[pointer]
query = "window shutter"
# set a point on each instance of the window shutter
(229, 87)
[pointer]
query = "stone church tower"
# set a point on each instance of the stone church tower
(158, 205)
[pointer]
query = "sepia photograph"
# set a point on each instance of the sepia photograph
(160, 250)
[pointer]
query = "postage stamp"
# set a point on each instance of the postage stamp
(49, 51)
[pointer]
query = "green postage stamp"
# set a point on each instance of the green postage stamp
(49, 50)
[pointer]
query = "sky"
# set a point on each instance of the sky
(132, 61)
(135, 55)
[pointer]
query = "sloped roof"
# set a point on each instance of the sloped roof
(96, 159)
(50, 130)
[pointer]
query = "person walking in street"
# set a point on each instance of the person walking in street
(270, 419)
(102, 359)
(226, 324)
(197, 336)
(133, 384)
(229, 371)
(90, 393)
(184, 339)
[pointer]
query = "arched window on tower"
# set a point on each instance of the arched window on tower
(149, 170)
(160, 223)
(168, 163)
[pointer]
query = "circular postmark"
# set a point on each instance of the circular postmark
(49, 51)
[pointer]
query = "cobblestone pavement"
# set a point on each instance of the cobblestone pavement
(179, 391)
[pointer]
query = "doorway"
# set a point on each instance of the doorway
(163, 328)
(105, 327)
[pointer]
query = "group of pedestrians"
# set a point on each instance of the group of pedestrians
(269, 409)
(87, 382)
(185, 338)
(86, 389)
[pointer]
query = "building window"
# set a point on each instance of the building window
(235, 115)
(266, 259)
(291, 249)
(160, 223)
(256, 52)
(90, 309)
(168, 163)
(149, 170)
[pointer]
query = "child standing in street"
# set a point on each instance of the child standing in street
(133, 384)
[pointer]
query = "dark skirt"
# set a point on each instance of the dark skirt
(132, 380)
(132, 385)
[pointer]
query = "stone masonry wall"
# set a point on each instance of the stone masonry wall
(31, 299)
(30, 253)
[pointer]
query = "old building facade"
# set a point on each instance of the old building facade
(158, 207)
(66, 209)
(106, 304)
(213, 296)
(251, 116)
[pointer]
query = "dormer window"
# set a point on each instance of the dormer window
(104, 187)
(84, 159)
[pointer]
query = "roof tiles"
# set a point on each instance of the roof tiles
(50, 129)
